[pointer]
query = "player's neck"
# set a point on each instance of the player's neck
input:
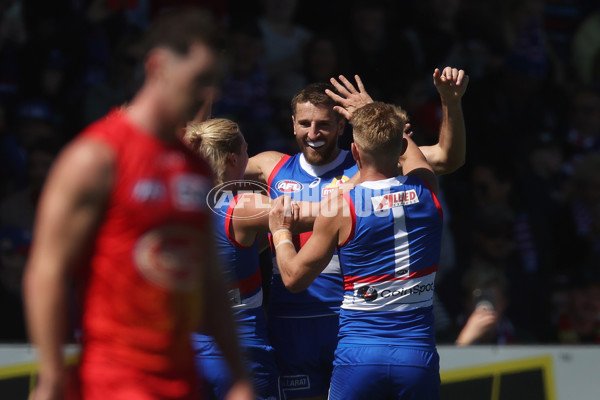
(144, 111)
(373, 173)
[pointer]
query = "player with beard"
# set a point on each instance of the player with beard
(387, 232)
(303, 326)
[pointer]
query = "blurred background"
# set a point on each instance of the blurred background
(522, 216)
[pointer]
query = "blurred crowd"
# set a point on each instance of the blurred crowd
(522, 216)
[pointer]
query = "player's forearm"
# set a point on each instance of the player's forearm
(451, 147)
(46, 308)
(294, 276)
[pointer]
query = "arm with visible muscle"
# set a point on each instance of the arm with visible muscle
(414, 164)
(449, 153)
(69, 212)
(299, 269)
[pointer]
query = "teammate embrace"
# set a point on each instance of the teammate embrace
(123, 215)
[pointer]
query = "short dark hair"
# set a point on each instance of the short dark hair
(177, 29)
(315, 94)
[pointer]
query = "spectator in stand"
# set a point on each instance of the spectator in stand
(284, 42)
(373, 41)
(14, 249)
(245, 89)
(542, 186)
(585, 45)
(577, 223)
(36, 120)
(324, 57)
(484, 320)
(583, 130)
(578, 320)
(18, 209)
(121, 82)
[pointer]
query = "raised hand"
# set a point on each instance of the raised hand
(351, 99)
(451, 83)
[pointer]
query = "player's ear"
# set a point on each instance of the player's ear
(155, 62)
(341, 126)
(232, 159)
(355, 154)
(294, 124)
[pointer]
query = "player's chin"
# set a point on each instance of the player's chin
(314, 156)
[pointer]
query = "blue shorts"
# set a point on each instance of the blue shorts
(260, 362)
(304, 350)
(385, 372)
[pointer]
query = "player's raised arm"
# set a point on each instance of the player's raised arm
(70, 209)
(449, 153)
(414, 164)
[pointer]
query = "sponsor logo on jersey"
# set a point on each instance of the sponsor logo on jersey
(335, 182)
(170, 257)
(288, 186)
(314, 183)
(396, 289)
(368, 293)
(189, 192)
(397, 199)
(149, 190)
(295, 382)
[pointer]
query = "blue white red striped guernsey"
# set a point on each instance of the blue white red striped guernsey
(241, 269)
(295, 177)
(389, 263)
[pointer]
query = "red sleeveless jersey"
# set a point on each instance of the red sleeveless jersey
(141, 297)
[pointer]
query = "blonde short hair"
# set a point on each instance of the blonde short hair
(214, 140)
(378, 129)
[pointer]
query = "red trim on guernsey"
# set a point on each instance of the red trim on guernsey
(276, 169)
(435, 201)
(228, 217)
(250, 283)
(349, 281)
(352, 216)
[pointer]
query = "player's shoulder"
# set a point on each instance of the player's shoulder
(261, 166)
(269, 156)
(88, 152)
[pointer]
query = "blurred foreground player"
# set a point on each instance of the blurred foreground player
(387, 231)
(124, 215)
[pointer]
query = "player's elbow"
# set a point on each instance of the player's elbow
(295, 283)
(296, 286)
(447, 165)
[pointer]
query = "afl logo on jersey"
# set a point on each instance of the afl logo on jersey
(288, 186)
